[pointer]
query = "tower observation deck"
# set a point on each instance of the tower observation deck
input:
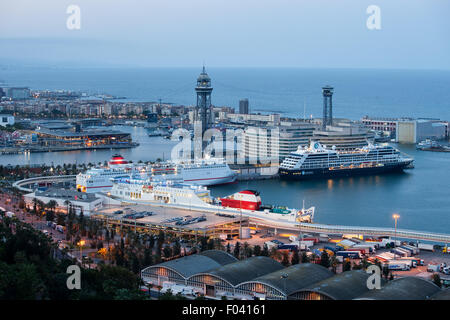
(203, 108)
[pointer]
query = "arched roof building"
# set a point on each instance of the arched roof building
(344, 286)
(178, 270)
(223, 280)
(442, 295)
(280, 284)
(408, 288)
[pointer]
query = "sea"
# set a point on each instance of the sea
(421, 196)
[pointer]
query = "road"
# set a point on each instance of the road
(11, 202)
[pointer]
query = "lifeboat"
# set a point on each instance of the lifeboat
(246, 199)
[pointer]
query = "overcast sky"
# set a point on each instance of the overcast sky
(239, 33)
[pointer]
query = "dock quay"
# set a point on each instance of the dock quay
(11, 150)
(257, 220)
(213, 226)
(36, 149)
(28, 185)
(247, 172)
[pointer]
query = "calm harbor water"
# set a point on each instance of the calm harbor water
(421, 196)
(358, 92)
(150, 149)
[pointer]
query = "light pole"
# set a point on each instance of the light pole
(81, 244)
(395, 216)
(240, 217)
(284, 276)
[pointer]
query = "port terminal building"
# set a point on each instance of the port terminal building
(90, 138)
(344, 136)
(266, 143)
(80, 201)
(414, 131)
(408, 130)
(216, 274)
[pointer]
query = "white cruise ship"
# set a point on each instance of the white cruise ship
(316, 161)
(169, 191)
(204, 172)
(195, 197)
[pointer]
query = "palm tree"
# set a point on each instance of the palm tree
(334, 262)
(275, 254)
(40, 205)
(67, 203)
(51, 205)
(35, 204)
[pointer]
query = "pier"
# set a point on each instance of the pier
(365, 231)
(256, 219)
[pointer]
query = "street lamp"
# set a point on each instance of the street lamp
(81, 244)
(240, 217)
(395, 216)
(284, 276)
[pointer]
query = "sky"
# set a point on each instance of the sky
(414, 34)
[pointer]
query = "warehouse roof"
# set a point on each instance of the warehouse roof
(442, 295)
(195, 263)
(219, 256)
(245, 270)
(294, 278)
(344, 286)
(408, 288)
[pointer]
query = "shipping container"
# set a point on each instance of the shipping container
(349, 254)
(426, 246)
(407, 253)
(414, 249)
(398, 253)
(398, 266)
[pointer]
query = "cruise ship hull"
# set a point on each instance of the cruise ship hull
(337, 173)
(203, 182)
(212, 181)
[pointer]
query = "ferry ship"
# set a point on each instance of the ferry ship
(195, 197)
(431, 145)
(201, 172)
(316, 161)
(427, 143)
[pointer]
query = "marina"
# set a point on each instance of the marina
(417, 193)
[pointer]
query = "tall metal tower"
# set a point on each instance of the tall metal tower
(203, 108)
(327, 93)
